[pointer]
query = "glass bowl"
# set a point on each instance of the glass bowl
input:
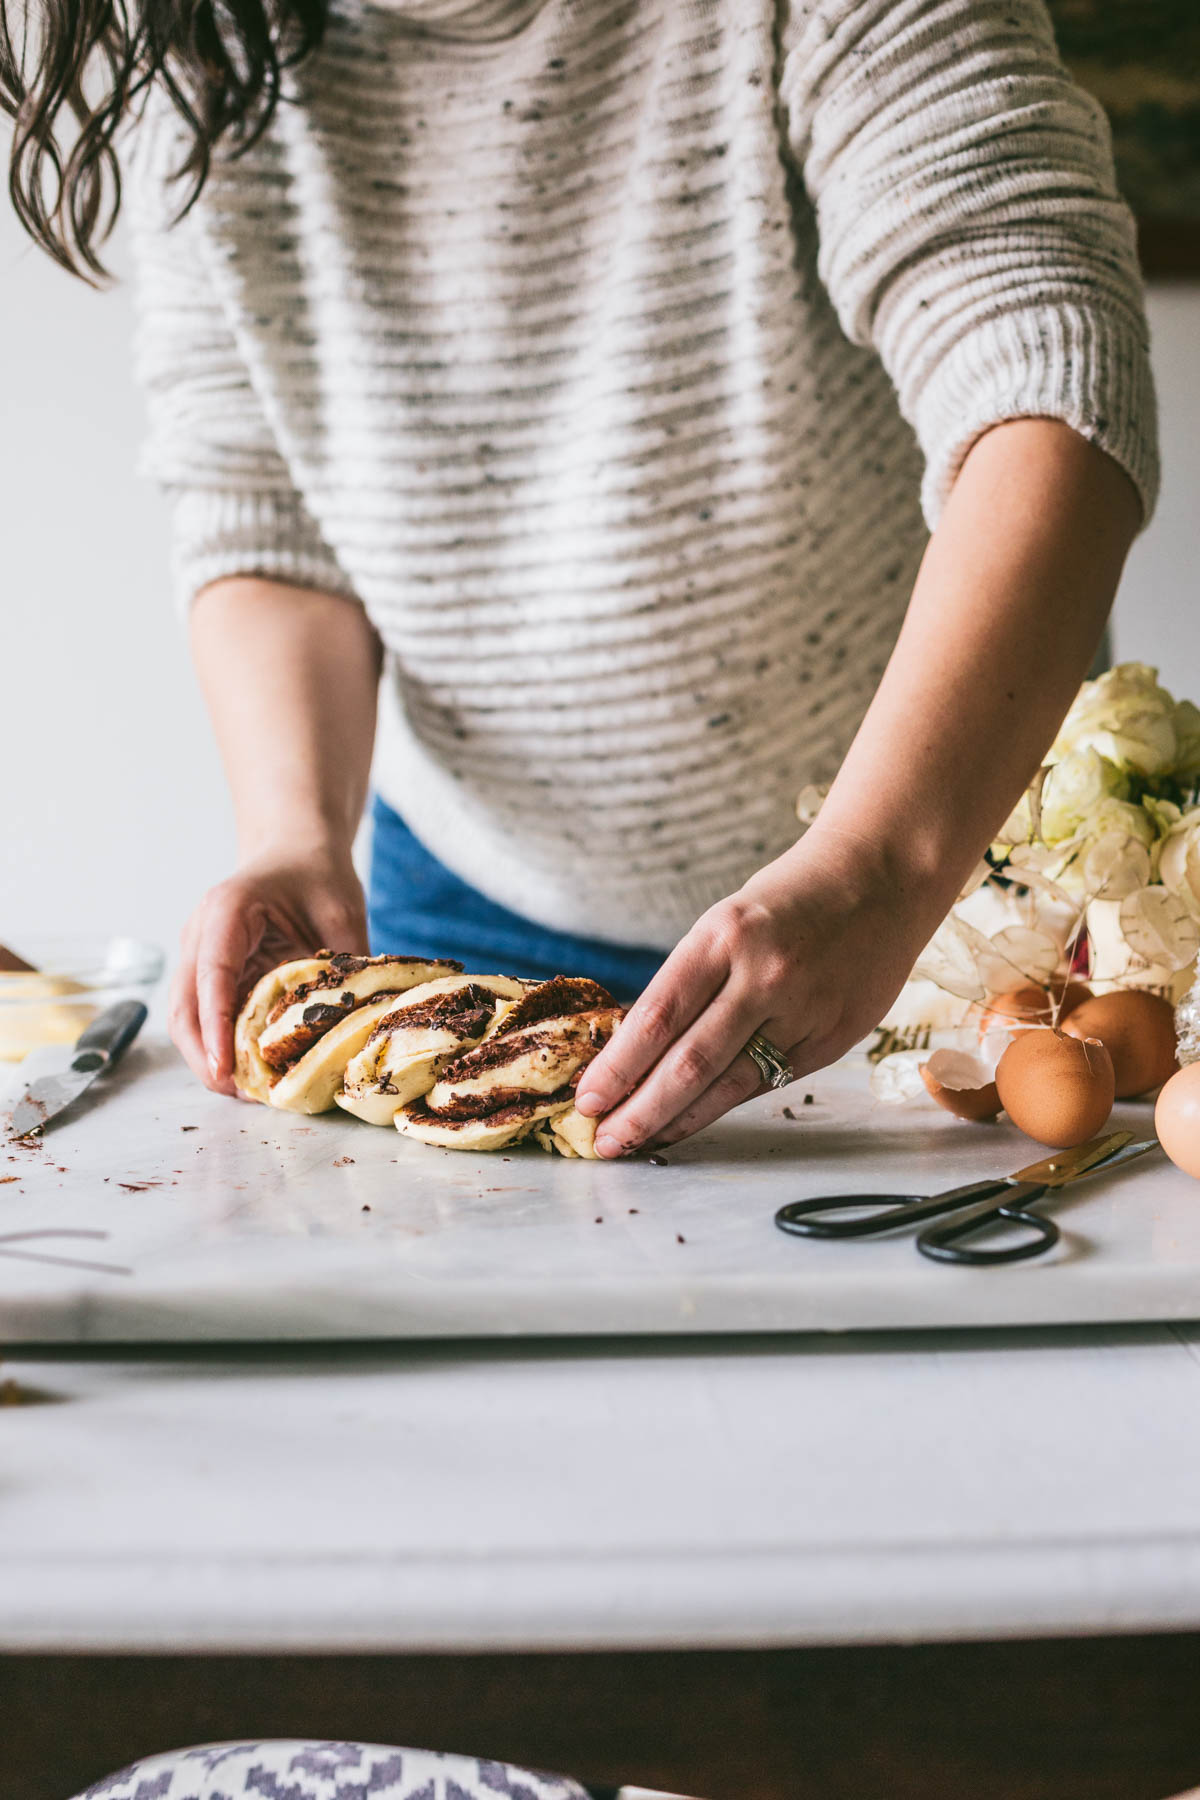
(73, 979)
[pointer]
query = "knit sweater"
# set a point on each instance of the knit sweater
(599, 349)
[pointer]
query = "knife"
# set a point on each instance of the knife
(97, 1049)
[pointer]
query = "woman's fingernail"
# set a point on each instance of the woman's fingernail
(214, 1066)
(608, 1145)
(589, 1105)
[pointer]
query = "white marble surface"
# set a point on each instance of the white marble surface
(253, 1224)
(681, 1492)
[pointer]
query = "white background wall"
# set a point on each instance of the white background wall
(114, 815)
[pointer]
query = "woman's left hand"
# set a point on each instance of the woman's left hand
(810, 953)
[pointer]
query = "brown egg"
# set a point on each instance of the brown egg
(1177, 1119)
(1138, 1031)
(1032, 1005)
(960, 1084)
(1057, 1089)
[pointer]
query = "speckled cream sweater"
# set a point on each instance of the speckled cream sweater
(597, 347)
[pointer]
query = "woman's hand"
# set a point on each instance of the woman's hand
(271, 911)
(811, 953)
(290, 677)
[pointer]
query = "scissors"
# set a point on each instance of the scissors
(975, 1209)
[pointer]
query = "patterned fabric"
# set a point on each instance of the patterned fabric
(325, 1771)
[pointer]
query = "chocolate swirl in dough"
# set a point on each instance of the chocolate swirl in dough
(428, 1028)
(521, 1078)
(304, 1021)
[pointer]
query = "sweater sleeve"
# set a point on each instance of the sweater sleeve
(210, 444)
(970, 225)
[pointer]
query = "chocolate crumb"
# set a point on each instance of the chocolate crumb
(340, 1162)
(808, 1099)
(366, 1209)
(679, 1238)
(599, 1221)
(659, 1162)
(788, 1113)
(634, 1209)
(5, 1179)
(189, 1128)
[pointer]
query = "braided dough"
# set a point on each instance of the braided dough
(464, 1062)
(304, 1021)
(521, 1076)
(418, 1036)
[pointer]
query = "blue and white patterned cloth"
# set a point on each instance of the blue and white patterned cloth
(284, 1770)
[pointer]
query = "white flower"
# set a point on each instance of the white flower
(1074, 788)
(1125, 716)
(1177, 862)
(1110, 856)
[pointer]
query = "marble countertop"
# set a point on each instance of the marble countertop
(204, 1219)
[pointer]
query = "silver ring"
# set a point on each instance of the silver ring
(770, 1061)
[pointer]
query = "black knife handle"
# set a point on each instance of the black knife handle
(108, 1037)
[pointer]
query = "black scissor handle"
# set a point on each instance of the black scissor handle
(876, 1212)
(943, 1243)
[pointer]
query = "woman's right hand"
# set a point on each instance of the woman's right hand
(270, 912)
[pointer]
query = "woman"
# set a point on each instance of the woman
(573, 363)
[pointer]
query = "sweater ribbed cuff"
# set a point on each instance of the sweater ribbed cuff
(1089, 368)
(217, 534)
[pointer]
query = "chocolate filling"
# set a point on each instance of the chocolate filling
(555, 999)
(316, 1020)
(516, 1109)
(339, 969)
(497, 1053)
(466, 1011)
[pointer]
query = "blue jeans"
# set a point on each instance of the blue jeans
(416, 907)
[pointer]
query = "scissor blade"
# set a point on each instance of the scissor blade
(1098, 1153)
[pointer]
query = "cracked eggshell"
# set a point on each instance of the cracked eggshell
(962, 1084)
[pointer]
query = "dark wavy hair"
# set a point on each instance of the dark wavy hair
(73, 73)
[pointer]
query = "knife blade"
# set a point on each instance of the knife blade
(97, 1049)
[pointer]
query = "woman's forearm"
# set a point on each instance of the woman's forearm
(1005, 617)
(290, 677)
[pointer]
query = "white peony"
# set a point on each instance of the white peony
(1127, 717)
(1074, 788)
